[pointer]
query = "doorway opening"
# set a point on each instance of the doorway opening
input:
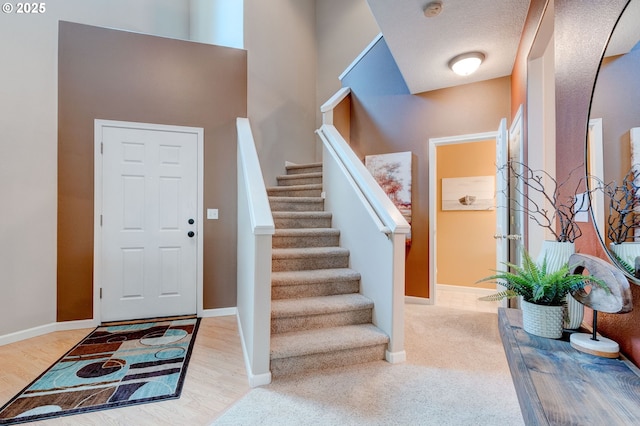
(464, 219)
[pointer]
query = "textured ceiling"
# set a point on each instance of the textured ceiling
(627, 32)
(422, 47)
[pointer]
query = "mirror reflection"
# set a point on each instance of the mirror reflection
(613, 154)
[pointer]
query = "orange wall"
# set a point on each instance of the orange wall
(466, 250)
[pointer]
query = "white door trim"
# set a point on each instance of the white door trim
(97, 204)
(433, 144)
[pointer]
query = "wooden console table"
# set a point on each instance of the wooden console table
(557, 385)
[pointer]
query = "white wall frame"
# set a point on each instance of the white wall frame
(433, 186)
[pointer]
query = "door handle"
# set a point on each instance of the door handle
(508, 237)
(191, 234)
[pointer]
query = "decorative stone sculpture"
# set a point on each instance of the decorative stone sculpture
(615, 301)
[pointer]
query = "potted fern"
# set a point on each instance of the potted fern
(543, 292)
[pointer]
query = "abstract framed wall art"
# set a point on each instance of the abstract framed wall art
(393, 174)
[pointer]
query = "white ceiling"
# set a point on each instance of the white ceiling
(627, 32)
(422, 47)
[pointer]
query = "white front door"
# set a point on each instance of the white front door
(149, 232)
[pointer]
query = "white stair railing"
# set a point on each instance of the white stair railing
(373, 230)
(255, 231)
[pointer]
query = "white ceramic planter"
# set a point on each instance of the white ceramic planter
(541, 320)
(558, 254)
(627, 251)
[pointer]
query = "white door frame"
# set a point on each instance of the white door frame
(433, 144)
(97, 205)
(517, 217)
(595, 147)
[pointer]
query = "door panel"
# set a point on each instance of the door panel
(149, 190)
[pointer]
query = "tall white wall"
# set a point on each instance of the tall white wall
(28, 141)
(217, 22)
(297, 49)
(281, 55)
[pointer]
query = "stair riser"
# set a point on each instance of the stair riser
(303, 170)
(295, 365)
(301, 192)
(294, 206)
(306, 241)
(313, 290)
(311, 262)
(308, 322)
(299, 181)
(288, 223)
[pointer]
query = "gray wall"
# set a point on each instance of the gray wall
(28, 142)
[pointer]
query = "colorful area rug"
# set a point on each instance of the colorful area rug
(114, 366)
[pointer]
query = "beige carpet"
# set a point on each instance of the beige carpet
(456, 374)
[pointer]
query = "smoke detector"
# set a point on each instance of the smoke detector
(433, 9)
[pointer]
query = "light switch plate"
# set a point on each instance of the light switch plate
(212, 213)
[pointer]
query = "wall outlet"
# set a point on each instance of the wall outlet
(212, 213)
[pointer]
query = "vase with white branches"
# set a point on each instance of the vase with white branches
(545, 201)
(623, 219)
(553, 206)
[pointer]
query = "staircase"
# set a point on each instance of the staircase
(318, 318)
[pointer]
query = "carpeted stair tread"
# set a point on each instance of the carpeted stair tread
(309, 190)
(296, 203)
(302, 215)
(297, 199)
(308, 252)
(300, 179)
(307, 232)
(302, 219)
(325, 340)
(303, 168)
(319, 305)
(313, 276)
(313, 283)
(291, 259)
(305, 237)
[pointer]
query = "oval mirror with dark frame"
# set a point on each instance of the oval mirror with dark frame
(613, 145)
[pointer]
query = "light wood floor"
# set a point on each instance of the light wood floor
(216, 377)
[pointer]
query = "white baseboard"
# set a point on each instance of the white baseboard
(462, 297)
(255, 380)
(27, 334)
(418, 300)
(76, 325)
(46, 329)
(219, 312)
(463, 289)
(395, 357)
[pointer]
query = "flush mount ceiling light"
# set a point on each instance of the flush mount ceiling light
(467, 63)
(433, 9)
